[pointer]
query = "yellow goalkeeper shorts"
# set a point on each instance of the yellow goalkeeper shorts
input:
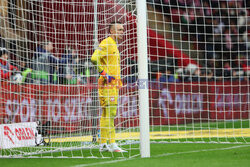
(108, 93)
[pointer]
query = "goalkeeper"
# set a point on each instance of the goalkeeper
(107, 59)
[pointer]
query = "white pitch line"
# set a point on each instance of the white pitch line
(162, 155)
(204, 150)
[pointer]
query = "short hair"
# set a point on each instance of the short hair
(3, 51)
(113, 23)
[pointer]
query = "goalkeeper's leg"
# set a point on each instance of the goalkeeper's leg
(108, 130)
(111, 113)
(107, 126)
(104, 131)
(103, 127)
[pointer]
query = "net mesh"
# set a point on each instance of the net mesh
(49, 79)
(199, 72)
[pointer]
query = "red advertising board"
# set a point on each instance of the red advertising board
(183, 103)
(229, 100)
(174, 103)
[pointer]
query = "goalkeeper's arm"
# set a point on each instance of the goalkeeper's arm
(108, 77)
(95, 59)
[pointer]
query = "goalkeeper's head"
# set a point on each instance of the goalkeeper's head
(116, 30)
(4, 54)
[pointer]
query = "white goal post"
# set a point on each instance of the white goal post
(143, 77)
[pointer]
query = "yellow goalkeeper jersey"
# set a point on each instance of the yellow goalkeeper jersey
(107, 58)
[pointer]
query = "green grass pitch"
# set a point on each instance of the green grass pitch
(162, 155)
(171, 155)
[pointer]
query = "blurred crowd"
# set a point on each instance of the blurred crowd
(219, 29)
(45, 68)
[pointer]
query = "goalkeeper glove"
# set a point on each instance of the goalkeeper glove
(106, 76)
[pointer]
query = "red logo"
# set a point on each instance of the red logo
(20, 133)
(8, 132)
(24, 133)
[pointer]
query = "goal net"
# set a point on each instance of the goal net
(198, 70)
